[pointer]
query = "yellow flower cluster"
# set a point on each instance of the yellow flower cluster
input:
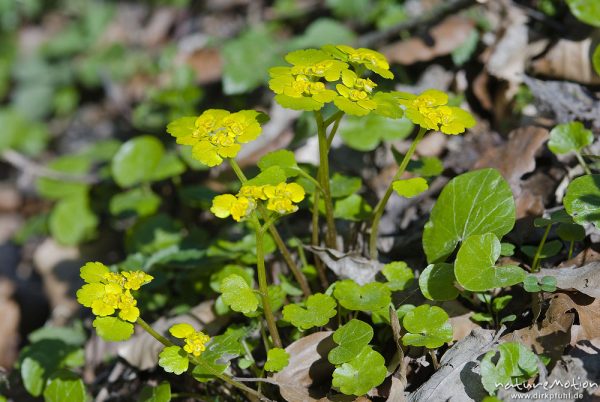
(216, 134)
(280, 198)
(430, 111)
(106, 292)
(195, 341)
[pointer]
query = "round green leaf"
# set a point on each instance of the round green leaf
(475, 266)
(516, 365)
(137, 201)
(582, 200)
(136, 160)
(548, 283)
(58, 189)
(113, 329)
(217, 277)
(238, 295)
(271, 175)
(530, 284)
(343, 186)
(570, 232)
(587, 11)
(160, 393)
(174, 360)
(477, 202)
(319, 309)
(437, 282)
(352, 208)
(351, 338)
(219, 352)
(65, 386)
(427, 326)
(569, 137)
(369, 297)
(365, 133)
(72, 221)
(359, 375)
(277, 359)
(282, 158)
(410, 188)
(169, 166)
(550, 249)
(398, 274)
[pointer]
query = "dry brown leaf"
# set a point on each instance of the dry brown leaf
(444, 38)
(306, 377)
(10, 317)
(585, 279)
(586, 256)
(207, 63)
(348, 266)
(568, 60)
(588, 312)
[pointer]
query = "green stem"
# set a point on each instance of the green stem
(285, 252)
(315, 242)
(262, 285)
(380, 208)
(197, 362)
(331, 236)
(584, 165)
(336, 125)
(571, 249)
(538, 252)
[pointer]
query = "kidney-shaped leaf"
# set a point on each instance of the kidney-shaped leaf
(351, 338)
(437, 282)
(370, 297)
(359, 375)
(427, 326)
(238, 295)
(582, 200)
(569, 137)
(136, 160)
(473, 203)
(319, 309)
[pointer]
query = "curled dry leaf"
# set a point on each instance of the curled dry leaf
(588, 312)
(348, 266)
(585, 279)
(301, 380)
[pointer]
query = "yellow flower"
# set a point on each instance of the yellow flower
(371, 59)
(355, 94)
(127, 306)
(454, 120)
(216, 134)
(282, 196)
(298, 91)
(315, 63)
(238, 207)
(256, 192)
(195, 341)
(135, 279)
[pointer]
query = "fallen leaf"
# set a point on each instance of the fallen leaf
(10, 317)
(588, 312)
(585, 279)
(348, 266)
(207, 63)
(586, 256)
(568, 60)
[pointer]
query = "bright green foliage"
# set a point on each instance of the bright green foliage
(427, 326)
(477, 202)
(475, 266)
(369, 297)
(545, 284)
(277, 359)
(351, 338)
(137, 201)
(113, 329)
(343, 186)
(319, 308)
(587, 11)
(283, 159)
(352, 208)
(72, 221)
(437, 282)
(219, 351)
(160, 393)
(359, 375)
(410, 188)
(174, 360)
(238, 295)
(398, 274)
(366, 133)
(217, 277)
(549, 249)
(20, 133)
(596, 59)
(507, 249)
(569, 137)
(58, 189)
(582, 200)
(516, 365)
(195, 341)
(321, 32)
(136, 160)
(65, 386)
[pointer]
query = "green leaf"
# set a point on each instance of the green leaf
(482, 317)
(475, 266)
(238, 295)
(343, 186)
(530, 284)
(160, 393)
(500, 303)
(463, 53)
(369, 297)
(366, 133)
(219, 351)
(72, 221)
(351, 338)
(582, 200)
(58, 189)
(152, 234)
(277, 359)
(319, 309)
(174, 360)
(321, 32)
(569, 137)
(596, 60)
(21, 133)
(477, 202)
(137, 201)
(516, 365)
(282, 158)
(507, 249)
(217, 277)
(587, 11)
(410, 188)
(65, 386)
(136, 160)
(359, 375)
(169, 166)
(570, 232)
(271, 175)
(352, 208)
(113, 329)
(437, 282)
(398, 274)
(548, 283)
(550, 249)
(427, 326)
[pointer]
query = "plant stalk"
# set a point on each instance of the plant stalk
(331, 236)
(538, 252)
(581, 161)
(380, 208)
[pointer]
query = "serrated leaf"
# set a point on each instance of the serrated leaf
(160, 393)
(427, 326)
(65, 386)
(437, 282)
(582, 200)
(113, 329)
(351, 338)
(217, 277)
(569, 137)
(359, 375)
(516, 365)
(277, 359)
(477, 202)
(372, 296)
(136, 160)
(475, 266)
(319, 308)
(410, 188)
(398, 274)
(238, 295)
(174, 360)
